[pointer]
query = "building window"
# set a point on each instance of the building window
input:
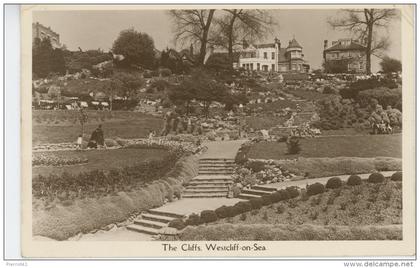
(265, 55)
(273, 56)
(258, 66)
(243, 65)
(272, 67)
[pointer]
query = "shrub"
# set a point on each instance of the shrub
(333, 183)
(208, 216)
(285, 195)
(293, 145)
(354, 180)
(256, 166)
(256, 203)
(376, 178)
(266, 200)
(236, 191)
(275, 197)
(224, 212)
(178, 224)
(314, 189)
(193, 219)
(293, 191)
(397, 176)
(242, 207)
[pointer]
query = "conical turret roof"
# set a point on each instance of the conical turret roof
(294, 43)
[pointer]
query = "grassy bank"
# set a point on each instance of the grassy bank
(63, 126)
(63, 219)
(351, 146)
(360, 205)
(270, 232)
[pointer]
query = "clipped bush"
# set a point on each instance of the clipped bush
(193, 219)
(333, 183)
(397, 176)
(275, 197)
(293, 191)
(178, 224)
(314, 189)
(243, 206)
(354, 180)
(376, 178)
(285, 195)
(208, 216)
(266, 200)
(256, 203)
(256, 166)
(224, 212)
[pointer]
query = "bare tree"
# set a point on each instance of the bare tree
(363, 24)
(240, 24)
(193, 25)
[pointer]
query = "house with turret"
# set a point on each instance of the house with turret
(273, 57)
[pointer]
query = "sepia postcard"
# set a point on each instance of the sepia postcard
(230, 131)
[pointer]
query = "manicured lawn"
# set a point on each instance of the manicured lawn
(62, 126)
(101, 159)
(350, 146)
(264, 121)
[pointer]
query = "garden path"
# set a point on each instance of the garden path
(222, 149)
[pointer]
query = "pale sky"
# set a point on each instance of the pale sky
(99, 29)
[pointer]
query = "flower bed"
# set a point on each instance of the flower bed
(51, 160)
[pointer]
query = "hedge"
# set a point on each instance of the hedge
(178, 224)
(333, 183)
(314, 189)
(376, 178)
(397, 176)
(354, 180)
(208, 216)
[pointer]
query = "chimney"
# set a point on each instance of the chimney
(325, 44)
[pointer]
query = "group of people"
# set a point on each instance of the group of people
(96, 139)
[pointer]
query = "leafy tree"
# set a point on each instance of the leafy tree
(364, 23)
(390, 65)
(193, 25)
(46, 59)
(136, 47)
(126, 84)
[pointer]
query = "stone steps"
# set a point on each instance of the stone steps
(256, 192)
(213, 179)
(205, 195)
(153, 221)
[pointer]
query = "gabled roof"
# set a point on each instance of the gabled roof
(352, 46)
(294, 43)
